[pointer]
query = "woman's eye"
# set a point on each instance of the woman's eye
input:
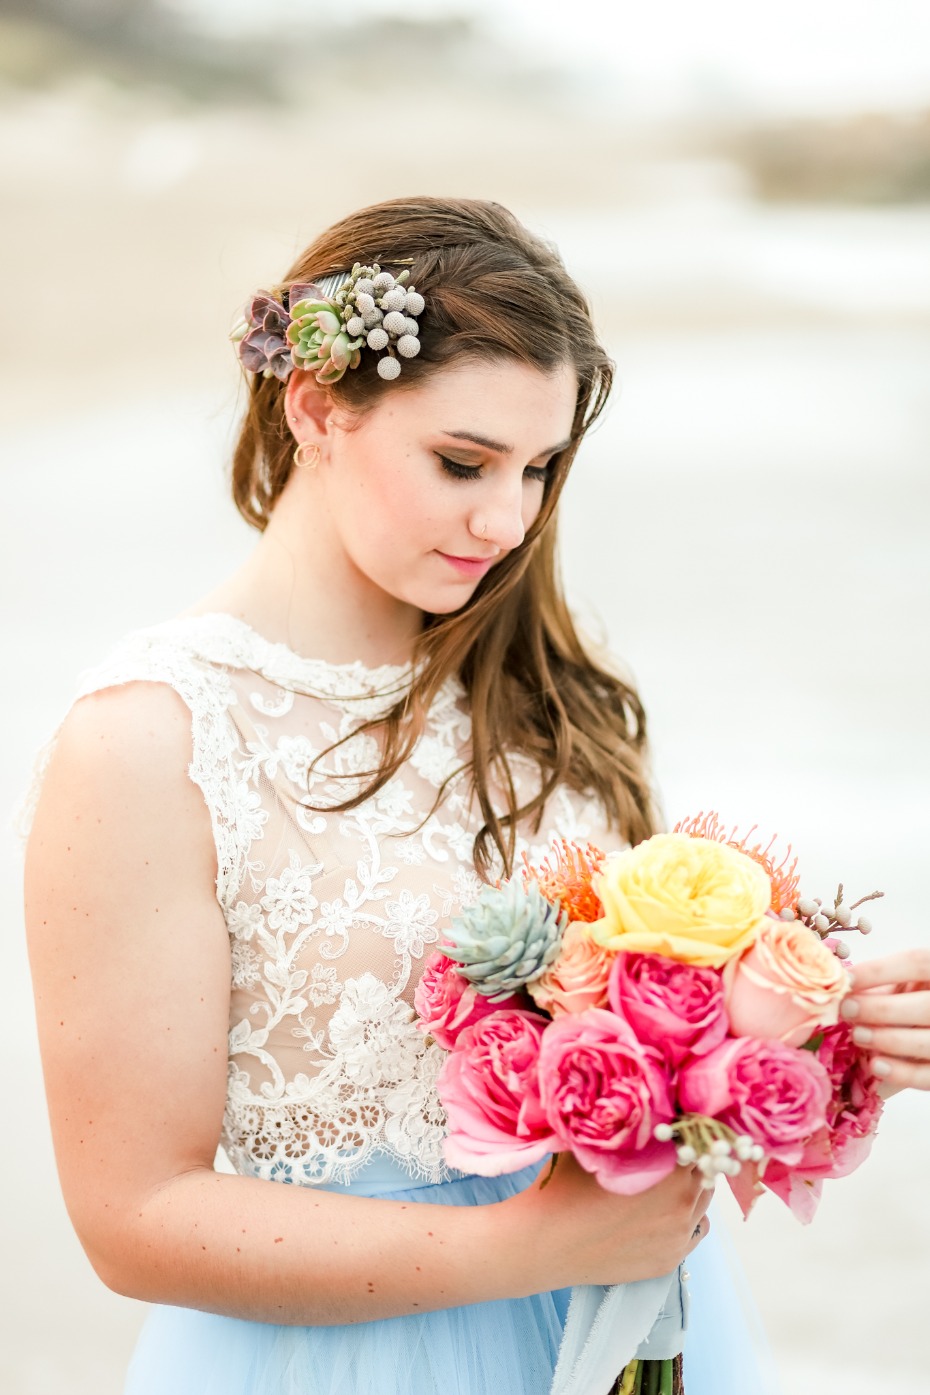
(459, 472)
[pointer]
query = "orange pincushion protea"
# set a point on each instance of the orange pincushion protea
(783, 875)
(565, 877)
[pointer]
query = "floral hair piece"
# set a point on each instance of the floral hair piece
(323, 326)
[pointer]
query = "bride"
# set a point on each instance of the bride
(258, 817)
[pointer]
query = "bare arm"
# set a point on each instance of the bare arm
(130, 959)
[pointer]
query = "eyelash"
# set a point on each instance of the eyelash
(473, 472)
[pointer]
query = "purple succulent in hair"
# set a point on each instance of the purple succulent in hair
(302, 290)
(261, 338)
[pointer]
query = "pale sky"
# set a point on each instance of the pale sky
(816, 56)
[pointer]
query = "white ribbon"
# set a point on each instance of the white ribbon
(604, 1330)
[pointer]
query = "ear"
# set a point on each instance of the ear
(309, 408)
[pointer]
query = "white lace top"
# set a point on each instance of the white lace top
(330, 915)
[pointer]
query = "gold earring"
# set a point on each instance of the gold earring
(314, 458)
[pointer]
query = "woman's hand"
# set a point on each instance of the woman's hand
(578, 1233)
(890, 1009)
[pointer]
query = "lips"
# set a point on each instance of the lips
(469, 566)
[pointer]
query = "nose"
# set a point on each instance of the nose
(499, 518)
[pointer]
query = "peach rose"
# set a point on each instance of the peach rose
(691, 899)
(786, 986)
(578, 977)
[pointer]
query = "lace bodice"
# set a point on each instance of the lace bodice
(330, 914)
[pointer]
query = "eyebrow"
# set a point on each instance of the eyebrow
(499, 446)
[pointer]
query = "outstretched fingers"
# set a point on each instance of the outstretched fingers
(889, 1009)
(909, 967)
(910, 1043)
(896, 1074)
(907, 1008)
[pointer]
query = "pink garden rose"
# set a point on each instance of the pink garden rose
(785, 986)
(603, 1092)
(447, 1003)
(777, 1095)
(577, 979)
(856, 1105)
(846, 1139)
(674, 1006)
(490, 1090)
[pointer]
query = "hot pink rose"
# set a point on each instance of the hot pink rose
(856, 1105)
(845, 1141)
(577, 979)
(603, 1092)
(785, 986)
(777, 1095)
(674, 1006)
(447, 1003)
(490, 1090)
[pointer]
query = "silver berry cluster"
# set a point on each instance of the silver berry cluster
(826, 921)
(710, 1146)
(381, 310)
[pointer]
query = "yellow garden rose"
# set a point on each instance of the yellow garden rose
(691, 899)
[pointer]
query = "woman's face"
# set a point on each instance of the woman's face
(436, 484)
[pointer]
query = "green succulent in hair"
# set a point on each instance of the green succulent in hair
(506, 939)
(320, 341)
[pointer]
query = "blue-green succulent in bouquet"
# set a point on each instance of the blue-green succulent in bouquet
(506, 939)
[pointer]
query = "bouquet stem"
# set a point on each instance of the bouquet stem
(650, 1378)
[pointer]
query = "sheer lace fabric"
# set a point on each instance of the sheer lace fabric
(330, 914)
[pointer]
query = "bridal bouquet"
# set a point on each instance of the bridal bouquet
(674, 1004)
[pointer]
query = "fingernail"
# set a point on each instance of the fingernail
(880, 1067)
(849, 1008)
(862, 1035)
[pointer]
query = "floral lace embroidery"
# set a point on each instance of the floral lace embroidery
(330, 914)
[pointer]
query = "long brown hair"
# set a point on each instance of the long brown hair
(493, 291)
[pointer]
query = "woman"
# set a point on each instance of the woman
(259, 817)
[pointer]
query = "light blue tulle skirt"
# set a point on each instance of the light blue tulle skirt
(507, 1347)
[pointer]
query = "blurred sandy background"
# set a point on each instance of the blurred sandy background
(748, 204)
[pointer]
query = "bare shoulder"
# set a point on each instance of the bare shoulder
(117, 807)
(122, 753)
(141, 723)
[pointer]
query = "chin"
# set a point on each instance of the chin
(436, 600)
(439, 612)
(450, 599)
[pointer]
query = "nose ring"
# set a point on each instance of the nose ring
(484, 531)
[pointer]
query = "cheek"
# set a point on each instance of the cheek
(392, 513)
(409, 514)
